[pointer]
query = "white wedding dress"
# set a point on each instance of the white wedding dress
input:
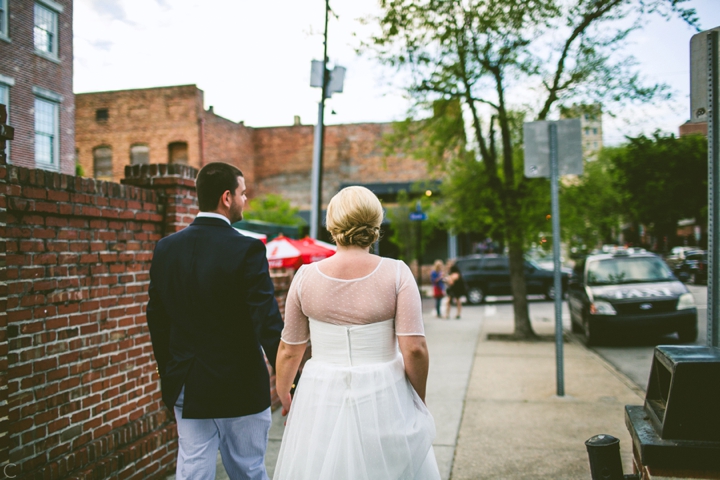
(355, 415)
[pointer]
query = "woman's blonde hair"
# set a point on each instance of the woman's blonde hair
(354, 216)
(438, 265)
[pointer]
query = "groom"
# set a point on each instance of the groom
(211, 308)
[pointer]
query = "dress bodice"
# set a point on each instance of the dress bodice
(353, 345)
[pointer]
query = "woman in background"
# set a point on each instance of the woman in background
(455, 290)
(436, 277)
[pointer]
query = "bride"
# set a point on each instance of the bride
(359, 409)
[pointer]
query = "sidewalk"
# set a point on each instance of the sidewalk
(495, 407)
(513, 425)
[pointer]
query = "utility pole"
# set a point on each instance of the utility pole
(317, 165)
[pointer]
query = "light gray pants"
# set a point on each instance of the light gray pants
(242, 442)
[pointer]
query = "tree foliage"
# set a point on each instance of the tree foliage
(591, 205)
(663, 179)
(497, 58)
(273, 208)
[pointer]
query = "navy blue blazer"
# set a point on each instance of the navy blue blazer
(212, 307)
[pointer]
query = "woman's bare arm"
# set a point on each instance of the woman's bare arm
(287, 364)
(415, 354)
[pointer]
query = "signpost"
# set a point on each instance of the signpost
(418, 216)
(552, 149)
(704, 103)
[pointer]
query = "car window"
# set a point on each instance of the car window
(469, 265)
(695, 256)
(496, 264)
(613, 271)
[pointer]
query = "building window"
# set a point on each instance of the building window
(46, 28)
(587, 131)
(139, 155)
(178, 153)
(102, 163)
(4, 30)
(5, 100)
(102, 115)
(46, 134)
(594, 131)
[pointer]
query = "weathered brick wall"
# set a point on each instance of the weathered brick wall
(27, 69)
(83, 398)
(154, 117)
(229, 142)
(353, 154)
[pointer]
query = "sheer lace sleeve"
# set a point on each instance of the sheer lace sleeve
(297, 328)
(408, 310)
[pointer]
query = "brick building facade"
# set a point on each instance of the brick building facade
(36, 82)
(274, 159)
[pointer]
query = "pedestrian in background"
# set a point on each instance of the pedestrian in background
(455, 290)
(436, 277)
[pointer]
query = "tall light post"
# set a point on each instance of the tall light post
(329, 83)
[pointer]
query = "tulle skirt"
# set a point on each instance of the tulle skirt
(357, 423)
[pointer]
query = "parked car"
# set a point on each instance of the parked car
(694, 268)
(629, 291)
(678, 254)
(490, 275)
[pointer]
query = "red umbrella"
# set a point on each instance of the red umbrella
(284, 252)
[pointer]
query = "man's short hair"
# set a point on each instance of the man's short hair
(212, 181)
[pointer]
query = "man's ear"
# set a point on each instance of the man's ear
(225, 199)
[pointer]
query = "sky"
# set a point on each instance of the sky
(252, 59)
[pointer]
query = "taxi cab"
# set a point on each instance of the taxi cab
(626, 291)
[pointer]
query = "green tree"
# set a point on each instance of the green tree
(404, 233)
(591, 205)
(274, 209)
(484, 53)
(663, 179)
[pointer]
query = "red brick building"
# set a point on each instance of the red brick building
(36, 82)
(170, 125)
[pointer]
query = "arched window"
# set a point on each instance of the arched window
(139, 155)
(102, 163)
(178, 153)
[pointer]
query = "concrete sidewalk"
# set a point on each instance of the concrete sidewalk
(495, 407)
(515, 427)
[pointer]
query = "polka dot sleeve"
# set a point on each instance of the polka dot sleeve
(297, 328)
(408, 309)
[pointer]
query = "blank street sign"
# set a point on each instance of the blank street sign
(537, 148)
(699, 76)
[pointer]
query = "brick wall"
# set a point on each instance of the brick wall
(79, 397)
(27, 69)
(154, 117)
(353, 154)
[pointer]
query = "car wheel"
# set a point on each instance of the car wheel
(688, 334)
(592, 335)
(475, 295)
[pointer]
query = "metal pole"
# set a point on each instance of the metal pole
(554, 181)
(713, 303)
(317, 165)
(418, 254)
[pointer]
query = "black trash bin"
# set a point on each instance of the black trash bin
(678, 427)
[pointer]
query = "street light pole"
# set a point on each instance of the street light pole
(317, 165)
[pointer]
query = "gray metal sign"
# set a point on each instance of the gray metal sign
(537, 148)
(699, 70)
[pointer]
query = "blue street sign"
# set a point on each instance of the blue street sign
(418, 216)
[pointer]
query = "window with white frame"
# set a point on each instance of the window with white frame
(46, 134)
(46, 30)
(4, 30)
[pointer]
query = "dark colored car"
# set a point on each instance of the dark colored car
(693, 268)
(629, 291)
(490, 275)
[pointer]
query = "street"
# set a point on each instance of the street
(632, 355)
